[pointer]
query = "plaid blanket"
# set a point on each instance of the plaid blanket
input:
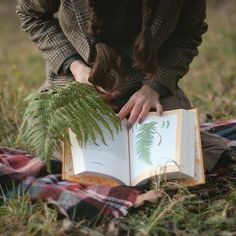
(223, 129)
(19, 170)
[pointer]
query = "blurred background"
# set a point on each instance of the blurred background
(210, 84)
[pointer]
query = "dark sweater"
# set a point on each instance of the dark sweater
(122, 24)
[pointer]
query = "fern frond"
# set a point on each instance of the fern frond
(96, 127)
(144, 140)
(50, 114)
(35, 122)
(106, 111)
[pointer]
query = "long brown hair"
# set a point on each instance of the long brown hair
(106, 66)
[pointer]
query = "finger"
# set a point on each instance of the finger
(100, 89)
(143, 114)
(78, 80)
(159, 109)
(115, 107)
(126, 109)
(135, 113)
(110, 96)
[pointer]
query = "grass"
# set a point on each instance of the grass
(21, 71)
(211, 86)
(211, 83)
(190, 212)
(25, 218)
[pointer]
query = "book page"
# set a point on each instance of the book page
(199, 172)
(68, 171)
(111, 160)
(153, 145)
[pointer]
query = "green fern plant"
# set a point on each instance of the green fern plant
(50, 114)
(144, 140)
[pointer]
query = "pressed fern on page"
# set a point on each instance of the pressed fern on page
(144, 140)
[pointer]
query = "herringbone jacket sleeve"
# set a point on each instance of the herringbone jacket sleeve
(37, 19)
(182, 46)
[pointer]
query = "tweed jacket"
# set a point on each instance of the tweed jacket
(177, 29)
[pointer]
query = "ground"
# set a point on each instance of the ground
(210, 85)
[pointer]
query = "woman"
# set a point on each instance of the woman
(133, 51)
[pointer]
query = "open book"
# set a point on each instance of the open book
(168, 146)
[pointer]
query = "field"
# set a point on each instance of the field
(210, 85)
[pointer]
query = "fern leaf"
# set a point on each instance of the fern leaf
(97, 121)
(144, 140)
(50, 114)
(106, 111)
(95, 125)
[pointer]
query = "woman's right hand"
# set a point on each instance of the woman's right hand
(80, 71)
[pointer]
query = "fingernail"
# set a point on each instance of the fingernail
(129, 126)
(140, 120)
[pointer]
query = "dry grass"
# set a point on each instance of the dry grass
(211, 86)
(211, 83)
(21, 71)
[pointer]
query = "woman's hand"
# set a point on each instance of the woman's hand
(140, 104)
(81, 73)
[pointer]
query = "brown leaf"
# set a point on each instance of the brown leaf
(150, 196)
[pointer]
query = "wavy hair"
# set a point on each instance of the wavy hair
(107, 65)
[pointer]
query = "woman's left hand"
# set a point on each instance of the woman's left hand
(140, 104)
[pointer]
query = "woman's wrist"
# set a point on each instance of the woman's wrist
(65, 67)
(162, 90)
(147, 87)
(80, 71)
(76, 65)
